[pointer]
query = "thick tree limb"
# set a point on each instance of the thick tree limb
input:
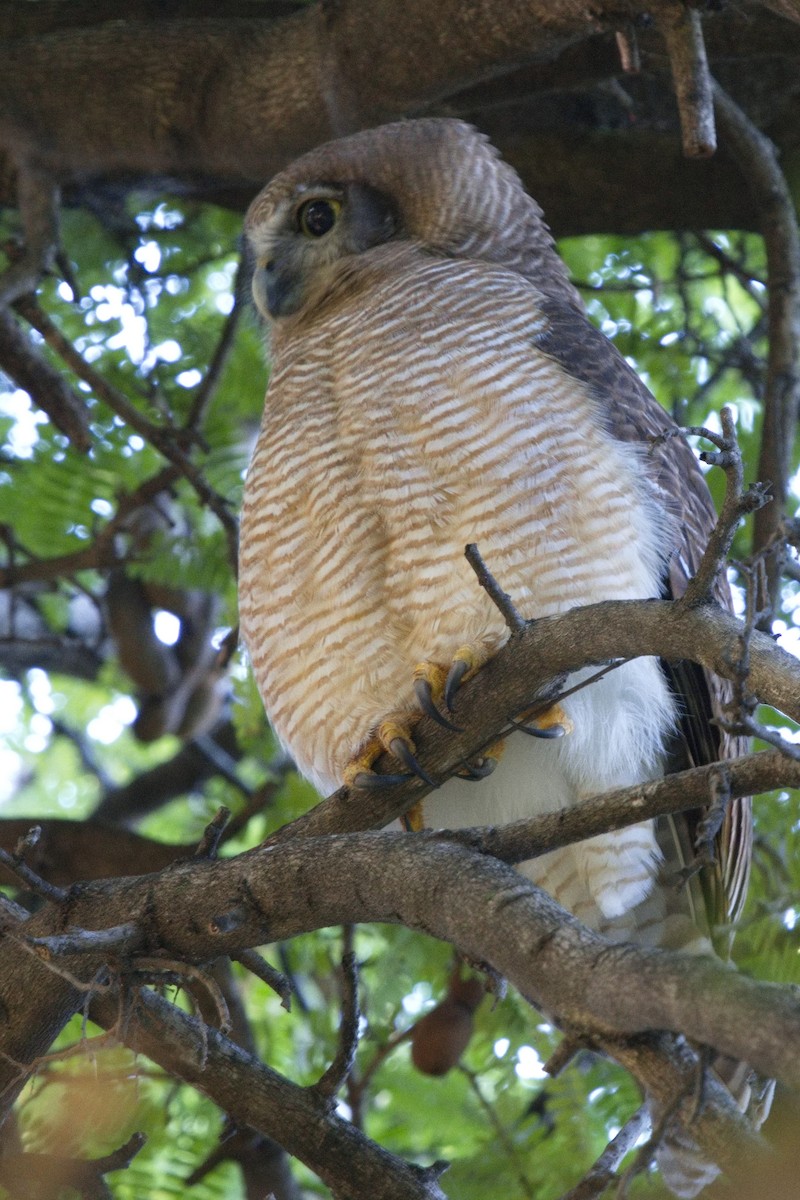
(485, 908)
(219, 105)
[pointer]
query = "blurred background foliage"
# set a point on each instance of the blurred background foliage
(145, 300)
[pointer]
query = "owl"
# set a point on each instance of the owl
(434, 383)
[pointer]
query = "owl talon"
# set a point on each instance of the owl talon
(372, 781)
(455, 677)
(552, 722)
(402, 750)
(424, 693)
(393, 736)
(551, 731)
(475, 772)
(413, 821)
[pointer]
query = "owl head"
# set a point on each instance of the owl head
(436, 183)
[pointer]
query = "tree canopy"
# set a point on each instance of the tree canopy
(210, 982)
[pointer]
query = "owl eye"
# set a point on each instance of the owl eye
(317, 217)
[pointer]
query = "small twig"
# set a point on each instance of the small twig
(33, 881)
(557, 697)
(122, 1157)
(711, 823)
(380, 1056)
(150, 968)
(704, 1061)
(501, 600)
(682, 31)
(12, 915)
(744, 699)
(208, 386)
(118, 938)
(85, 1048)
(744, 702)
(751, 728)
(602, 1173)
(336, 1074)
(102, 552)
(28, 841)
(628, 49)
(508, 1143)
(166, 439)
(252, 961)
(38, 319)
(738, 502)
(758, 161)
(729, 265)
(261, 797)
(100, 982)
(217, 756)
(565, 1051)
(86, 754)
(645, 1153)
(212, 834)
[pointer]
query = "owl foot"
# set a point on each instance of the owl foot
(414, 820)
(552, 723)
(466, 661)
(482, 768)
(436, 685)
(394, 736)
(430, 680)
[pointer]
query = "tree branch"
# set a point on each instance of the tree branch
(302, 1122)
(164, 438)
(515, 678)
(485, 908)
(100, 554)
(48, 389)
(601, 1174)
(737, 504)
(682, 31)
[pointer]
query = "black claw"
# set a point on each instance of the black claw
(473, 773)
(425, 699)
(366, 780)
(553, 731)
(400, 750)
(457, 671)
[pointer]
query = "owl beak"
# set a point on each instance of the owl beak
(273, 290)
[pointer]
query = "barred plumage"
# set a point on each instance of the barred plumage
(436, 383)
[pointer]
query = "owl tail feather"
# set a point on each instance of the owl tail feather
(684, 1167)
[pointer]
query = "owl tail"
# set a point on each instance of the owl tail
(684, 1167)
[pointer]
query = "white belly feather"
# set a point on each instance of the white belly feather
(619, 726)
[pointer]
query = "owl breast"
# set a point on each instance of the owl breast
(403, 422)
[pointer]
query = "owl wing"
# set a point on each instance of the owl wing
(634, 416)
